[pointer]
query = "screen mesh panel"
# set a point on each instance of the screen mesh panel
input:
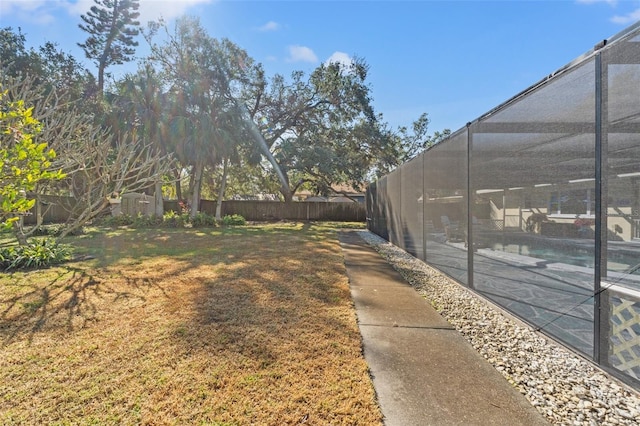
(381, 211)
(620, 328)
(445, 215)
(552, 178)
(411, 207)
(530, 188)
(394, 219)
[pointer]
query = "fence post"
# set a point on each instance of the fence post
(600, 339)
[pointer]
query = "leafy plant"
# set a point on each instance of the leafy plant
(119, 220)
(234, 219)
(144, 221)
(53, 230)
(24, 163)
(38, 254)
(172, 219)
(202, 219)
(534, 222)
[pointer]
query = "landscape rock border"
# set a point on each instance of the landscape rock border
(566, 388)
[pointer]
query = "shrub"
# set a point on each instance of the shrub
(172, 219)
(202, 219)
(144, 221)
(39, 254)
(234, 219)
(54, 230)
(119, 220)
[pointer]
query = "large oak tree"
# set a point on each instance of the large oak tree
(321, 130)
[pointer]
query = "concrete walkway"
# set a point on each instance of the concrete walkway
(424, 372)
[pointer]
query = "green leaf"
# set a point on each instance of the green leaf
(23, 164)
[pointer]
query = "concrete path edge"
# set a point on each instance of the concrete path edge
(424, 372)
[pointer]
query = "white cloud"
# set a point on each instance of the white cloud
(269, 26)
(79, 7)
(21, 5)
(625, 19)
(611, 2)
(42, 11)
(36, 11)
(301, 54)
(151, 10)
(628, 18)
(341, 58)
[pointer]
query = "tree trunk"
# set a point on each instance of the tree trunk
(286, 190)
(17, 229)
(284, 181)
(159, 204)
(178, 185)
(190, 186)
(100, 81)
(197, 185)
(223, 186)
(287, 194)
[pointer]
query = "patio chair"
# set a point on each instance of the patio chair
(452, 229)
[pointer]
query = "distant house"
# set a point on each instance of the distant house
(256, 197)
(341, 194)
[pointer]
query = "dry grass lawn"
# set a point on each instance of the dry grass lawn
(238, 326)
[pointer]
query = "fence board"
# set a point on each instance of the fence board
(58, 210)
(52, 208)
(276, 210)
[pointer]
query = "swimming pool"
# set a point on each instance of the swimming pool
(617, 261)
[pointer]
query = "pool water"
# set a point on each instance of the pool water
(618, 262)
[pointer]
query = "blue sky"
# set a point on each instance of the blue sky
(454, 60)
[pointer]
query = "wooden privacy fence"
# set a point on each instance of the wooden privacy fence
(276, 210)
(52, 209)
(57, 209)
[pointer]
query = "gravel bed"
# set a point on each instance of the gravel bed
(564, 387)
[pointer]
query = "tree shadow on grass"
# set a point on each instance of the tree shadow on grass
(66, 302)
(275, 294)
(249, 289)
(246, 325)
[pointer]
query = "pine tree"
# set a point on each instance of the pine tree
(112, 26)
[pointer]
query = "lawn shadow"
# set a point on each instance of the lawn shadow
(275, 288)
(252, 324)
(68, 301)
(249, 290)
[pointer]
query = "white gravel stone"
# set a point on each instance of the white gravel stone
(565, 388)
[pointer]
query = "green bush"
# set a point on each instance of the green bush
(39, 254)
(119, 220)
(202, 219)
(144, 221)
(53, 230)
(172, 219)
(234, 219)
